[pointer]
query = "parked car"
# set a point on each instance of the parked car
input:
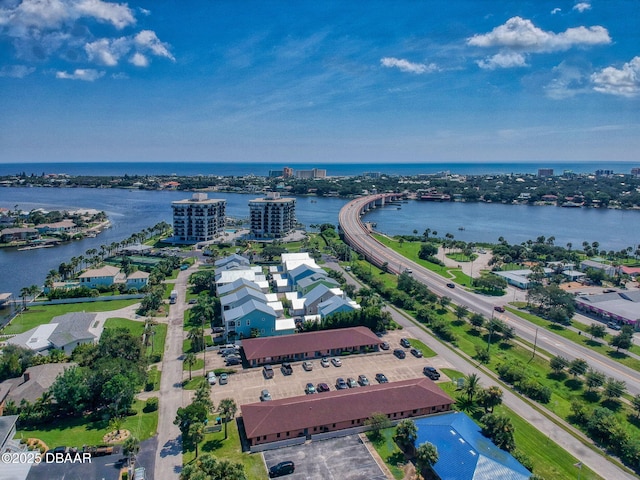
(416, 353)
(282, 468)
(341, 384)
(224, 379)
(399, 353)
(322, 387)
(385, 346)
(351, 382)
(381, 378)
(267, 371)
(614, 325)
(217, 329)
(363, 380)
(230, 361)
(309, 389)
(324, 362)
(211, 377)
(336, 362)
(229, 345)
(499, 308)
(286, 368)
(265, 396)
(308, 366)
(451, 285)
(405, 342)
(193, 301)
(230, 351)
(431, 372)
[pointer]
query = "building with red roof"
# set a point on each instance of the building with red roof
(303, 346)
(308, 415)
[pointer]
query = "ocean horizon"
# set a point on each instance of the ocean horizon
(332, 169)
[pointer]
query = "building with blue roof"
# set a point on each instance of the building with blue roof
(464, 453)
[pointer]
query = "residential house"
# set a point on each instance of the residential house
(33, 383)
(252, 315)
(307, 284)
(137, 279)
(18, 234)
(609, 270)
(337, 305)
(320, 294)
(104, 276)
(64, 226)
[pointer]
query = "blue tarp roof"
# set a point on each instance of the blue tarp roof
(464, 453)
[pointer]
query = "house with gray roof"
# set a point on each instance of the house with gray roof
(251, 315)
(303, 271)
(34, 382)
(64, 332)
(336, 305)
(320, 294)
(241, 296)
(309, 283)
(230, 261)
(237, 285)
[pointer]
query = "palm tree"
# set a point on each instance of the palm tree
(190, 361)
(228, 409)
(426, 456)
(406, 434)
(196, 433)
(471, 386)
(131, 448)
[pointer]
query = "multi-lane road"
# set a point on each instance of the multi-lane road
(359, 238)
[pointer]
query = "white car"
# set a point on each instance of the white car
(336, 362)
(324, 362)
(211, 377)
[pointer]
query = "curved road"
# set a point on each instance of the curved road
(358, 237)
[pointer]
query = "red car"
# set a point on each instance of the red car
(322, 387)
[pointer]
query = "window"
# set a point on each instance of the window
(278, 435)
(248, 323)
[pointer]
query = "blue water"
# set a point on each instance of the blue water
(333, 169)
(133, 211)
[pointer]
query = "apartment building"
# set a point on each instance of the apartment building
(198, 219)
(272, 216)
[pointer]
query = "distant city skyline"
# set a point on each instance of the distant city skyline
(319, 83)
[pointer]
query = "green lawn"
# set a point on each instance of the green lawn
(229, 449)
(389, 452)
(136, 328)
(597, 345)
(196, 367)
(426, 351)
(39, 315)
(76, 432)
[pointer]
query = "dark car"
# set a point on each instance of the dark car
(499, 308)
(265, 396)
(451, 285)
(381, 378)
(267, 371)
(416, 353)
(282, 468)
(384, 346)
(322, 387)
(405, 342)
(431, 372)
(230, 361)
(341, 384)
(399, 353)
(309, 389)
(286, 368)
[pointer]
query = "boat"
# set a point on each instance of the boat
(34, 247)
(436, 197)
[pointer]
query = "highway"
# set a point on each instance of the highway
(358, 237)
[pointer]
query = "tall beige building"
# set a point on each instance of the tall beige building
(198, 219)
(272, 216)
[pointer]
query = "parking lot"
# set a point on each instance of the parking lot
(246, 385)
(346, 458)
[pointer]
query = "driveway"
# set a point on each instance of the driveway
(344, 458)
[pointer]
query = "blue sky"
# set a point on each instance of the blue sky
(296, 81)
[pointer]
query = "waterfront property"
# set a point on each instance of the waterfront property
(309, 345)
(308, 415)
(107, 276)
(272, 216)
(463, 452)
(8, 235)
(198, 219)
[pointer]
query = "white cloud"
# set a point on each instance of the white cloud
(521, 34)
(407, 66)
(53, 14)
(503, 60)
(148, 40)
(16, 71)
(568, 81)
(139, 60)
(86, 74)
(623, 81)
(582, 6)
(107, 51)
(556, 10)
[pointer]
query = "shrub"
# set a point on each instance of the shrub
(151, 405)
